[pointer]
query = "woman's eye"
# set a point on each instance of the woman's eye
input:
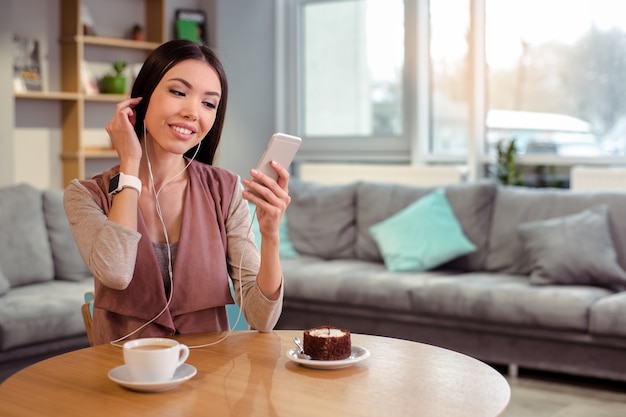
(210, 104)
(177, 93)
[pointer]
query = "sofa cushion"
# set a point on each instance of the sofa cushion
(351, 282)
(321, 219)
(25, 252)
(421, 236)
(471, 204)
(507, 299)
(574, 249)
(68, 263)
(607, 316)
(42, 312)
(516, 205)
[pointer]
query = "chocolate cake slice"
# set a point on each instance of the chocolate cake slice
(327, 343)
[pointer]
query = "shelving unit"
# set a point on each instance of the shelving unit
(73, 100)
(47, 95)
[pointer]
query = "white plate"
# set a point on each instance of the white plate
(121, 375)
(357, 355)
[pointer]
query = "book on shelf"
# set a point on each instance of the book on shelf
(191, 24)
(86, 18)
(27, 73)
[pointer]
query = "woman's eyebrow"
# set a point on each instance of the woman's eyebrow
(188, 85)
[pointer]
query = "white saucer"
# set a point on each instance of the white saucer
(121, 375)
(357, 355)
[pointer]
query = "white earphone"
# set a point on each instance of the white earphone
(169, 251)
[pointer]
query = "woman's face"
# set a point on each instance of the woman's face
(183, 106)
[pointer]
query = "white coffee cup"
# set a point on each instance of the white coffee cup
(154, 359)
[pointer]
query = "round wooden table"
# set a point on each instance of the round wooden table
(249, 374)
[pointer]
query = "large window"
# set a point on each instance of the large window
(376, 79)
(450, 75)
(352, 68)
(347, 79)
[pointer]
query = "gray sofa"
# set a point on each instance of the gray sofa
(535, 293)
(42, 279)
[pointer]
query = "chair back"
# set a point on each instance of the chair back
(235, 316)
(87, 310)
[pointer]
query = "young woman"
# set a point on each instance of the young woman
(163, 230)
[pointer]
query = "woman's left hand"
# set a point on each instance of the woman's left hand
(270, 197)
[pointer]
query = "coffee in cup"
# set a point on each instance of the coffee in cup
(154, 359)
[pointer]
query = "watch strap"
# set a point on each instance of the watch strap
(121, 181)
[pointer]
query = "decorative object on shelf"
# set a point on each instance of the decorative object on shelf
(137, 33)
(191, 24)
(116, 83)
(90, 85)
(89, 28)
(27, 74)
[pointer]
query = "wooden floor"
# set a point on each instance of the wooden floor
(547, 395)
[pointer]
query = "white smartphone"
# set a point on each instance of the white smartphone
(281, 148)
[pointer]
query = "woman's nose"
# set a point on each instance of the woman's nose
(190, 111)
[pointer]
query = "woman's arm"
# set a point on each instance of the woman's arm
(271, 198)
(108, 248)
(261, 311)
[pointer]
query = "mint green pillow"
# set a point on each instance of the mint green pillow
(286, 249)
(422, 236)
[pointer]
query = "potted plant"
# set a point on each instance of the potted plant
(115, 83)
(137, 32)
(507, 170)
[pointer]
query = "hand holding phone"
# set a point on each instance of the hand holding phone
(281, 148)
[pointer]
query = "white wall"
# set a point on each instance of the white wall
(7, 157)
(241, 30)
(36, 136)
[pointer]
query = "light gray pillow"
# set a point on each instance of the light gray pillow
(68, 264)
(575, 249)
(516, 205)
(321, 219)
(24, 247)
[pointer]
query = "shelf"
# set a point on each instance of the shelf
(47, 95)
(112, 42)
(114, 98)
(60, 95)
(119, 43)
(90, 153)
(94, 153)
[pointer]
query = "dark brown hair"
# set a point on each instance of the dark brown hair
(161, 60)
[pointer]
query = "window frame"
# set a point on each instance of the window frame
(375, 148)
(408, 148)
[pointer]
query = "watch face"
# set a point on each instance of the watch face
(114, 183)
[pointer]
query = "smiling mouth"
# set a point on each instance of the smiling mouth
(182, 130)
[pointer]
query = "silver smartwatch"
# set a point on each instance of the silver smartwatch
(121, 181)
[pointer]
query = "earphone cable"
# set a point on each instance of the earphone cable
(169, 253)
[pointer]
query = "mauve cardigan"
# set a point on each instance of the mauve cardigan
(215, 241)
